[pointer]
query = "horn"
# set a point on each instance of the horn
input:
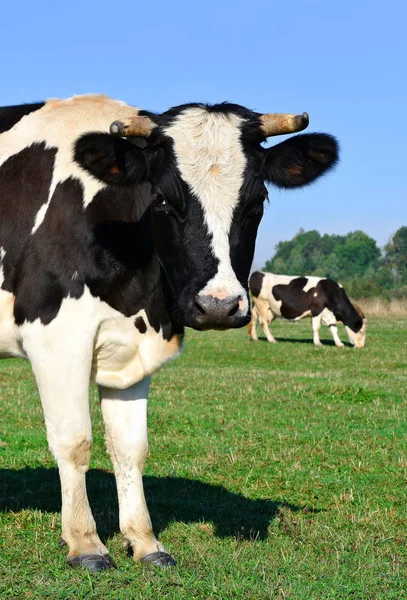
(278, 124)
(133, 126)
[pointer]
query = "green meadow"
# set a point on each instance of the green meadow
(275, 471)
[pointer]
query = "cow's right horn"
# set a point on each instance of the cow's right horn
(137, 126)
(279, 124)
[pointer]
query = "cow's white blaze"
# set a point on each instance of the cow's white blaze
(211, 161)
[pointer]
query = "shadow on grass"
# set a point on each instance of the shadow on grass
(169, 499)
(302, 341)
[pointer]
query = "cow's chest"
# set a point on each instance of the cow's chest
(127, 349)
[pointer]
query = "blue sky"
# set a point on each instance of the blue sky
(343, 62)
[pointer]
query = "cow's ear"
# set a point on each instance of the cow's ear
(111, 159)
(301, 159)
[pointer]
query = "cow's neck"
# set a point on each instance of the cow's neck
(133, 278)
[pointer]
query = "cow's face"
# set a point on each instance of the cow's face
(208, 171)
(357, 338)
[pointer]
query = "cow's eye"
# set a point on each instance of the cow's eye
(160, 200)
(255, 213)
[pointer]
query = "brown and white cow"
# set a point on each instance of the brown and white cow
(294, 298)
(119, 228)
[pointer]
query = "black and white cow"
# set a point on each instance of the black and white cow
(294, 298)
(110, 244)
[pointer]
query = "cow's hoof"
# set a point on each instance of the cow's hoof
(159, 559)
(92, 562)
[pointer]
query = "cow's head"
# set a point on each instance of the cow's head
(208, 171)
(357, 334)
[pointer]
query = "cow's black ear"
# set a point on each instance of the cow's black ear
(111, 159)
(301, 159)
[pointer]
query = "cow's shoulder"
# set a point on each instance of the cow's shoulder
(58, 124)
(106, 247)
(60, 229)
(289, 288)
(338, 302)
(329, 286)
(10, 115)
(289, 293)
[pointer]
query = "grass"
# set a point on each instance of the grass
(275, 471)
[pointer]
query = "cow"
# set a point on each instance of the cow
(294, 298)
(119, 228)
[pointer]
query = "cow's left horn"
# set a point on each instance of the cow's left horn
(278, 124)
(133, 126)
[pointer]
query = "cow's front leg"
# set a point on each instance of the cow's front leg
(267, 332)
(251, 328)
(125, 416)
(62, 373)
(335, 335)
(265, 317)
(316, 324)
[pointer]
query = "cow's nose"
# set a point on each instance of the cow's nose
(217, 310)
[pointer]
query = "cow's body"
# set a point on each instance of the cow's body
(48, 271)
(108, 248)
(294, 298)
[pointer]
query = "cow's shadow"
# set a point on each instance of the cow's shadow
(303, 341)
(169, 499)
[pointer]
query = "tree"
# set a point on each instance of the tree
(396, 255)
(357, 254)
(353, 259)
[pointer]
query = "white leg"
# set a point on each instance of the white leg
(316, 324)
(61, 361)
(335, 335)
(264, 316)
(252, 325)
(267, 332)
(125, 416)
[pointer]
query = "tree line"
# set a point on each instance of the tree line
(354, 260)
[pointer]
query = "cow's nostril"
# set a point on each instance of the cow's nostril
(199, 306)
(234, 309)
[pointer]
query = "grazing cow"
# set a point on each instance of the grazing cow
(294, 298)
(111, 242)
